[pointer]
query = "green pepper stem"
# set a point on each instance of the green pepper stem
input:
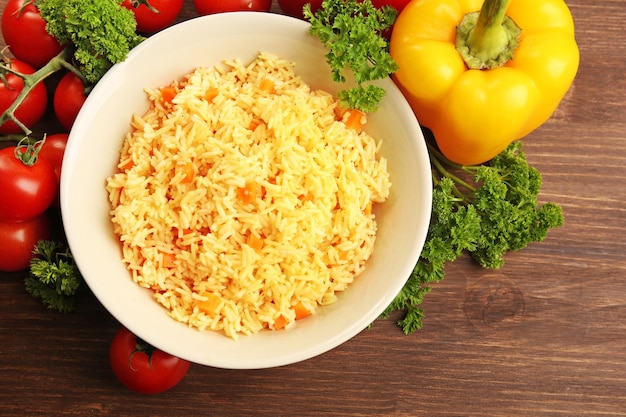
(439, 161)
(488, 36)
(487, 39)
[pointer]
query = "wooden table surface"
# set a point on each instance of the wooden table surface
(543, 336)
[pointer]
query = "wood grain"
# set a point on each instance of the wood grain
(543, 336)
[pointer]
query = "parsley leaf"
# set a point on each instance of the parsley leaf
(494, 211)
(101, 33)
(353, 32)
(53, 276)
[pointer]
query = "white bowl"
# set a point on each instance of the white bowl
(93, 151)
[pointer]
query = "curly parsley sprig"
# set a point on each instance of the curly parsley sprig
(54, 276)
(100, 33)
(353, 32)
(493, 212)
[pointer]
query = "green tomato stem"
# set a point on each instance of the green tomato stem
(487, 39)
(28, 153)
(56, 64)
(15, 138)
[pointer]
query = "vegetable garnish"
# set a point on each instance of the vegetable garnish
(353, 32)
(54, 276)
(483, 210)
(143, 368)
(96, 35)
(481, 79)
(101, 33)
(493, 212)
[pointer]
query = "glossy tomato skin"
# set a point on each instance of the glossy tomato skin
(69, 97)
(204, 7)
(396, 4)
(145, 373)
(25, 191)
(294, 7)
(52, 151)
(149, 21)
(32, 108)
(18, 239)
(24, 31)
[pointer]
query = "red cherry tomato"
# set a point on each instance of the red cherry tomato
(26, 191)
(142, 368)
(154, 15)
(24, 31)
(69, 97)
(396, 4)
(294, 7)
(32, 108)
(204, 7)
(18, 239)
(52, 151)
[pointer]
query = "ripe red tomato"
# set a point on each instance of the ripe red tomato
(52, 151)
(26, 191)
(153, 15)
(24, 31)
(18, 239)
(294, 7)
(204, 7)
(141, 367)
(69, 97)
(396, 4)
(32, 108)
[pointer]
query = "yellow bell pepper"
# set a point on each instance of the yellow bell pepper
(480, 74)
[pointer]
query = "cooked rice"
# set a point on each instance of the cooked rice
(190, 241)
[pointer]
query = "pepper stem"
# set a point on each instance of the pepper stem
(487, 39)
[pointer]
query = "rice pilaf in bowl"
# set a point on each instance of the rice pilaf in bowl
(242, 223)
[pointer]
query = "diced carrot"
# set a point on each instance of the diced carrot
(266, 85)
(280, 322)
(254, 123)
(188, 170)
(180, 241)
(168, 260)
(168, 93)
(250, 192)
(126, 165)
(211, 93)
(354, 119)
(255, 242)
(368, 208)
(212, 303)
(301, 311)
(306, 197)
